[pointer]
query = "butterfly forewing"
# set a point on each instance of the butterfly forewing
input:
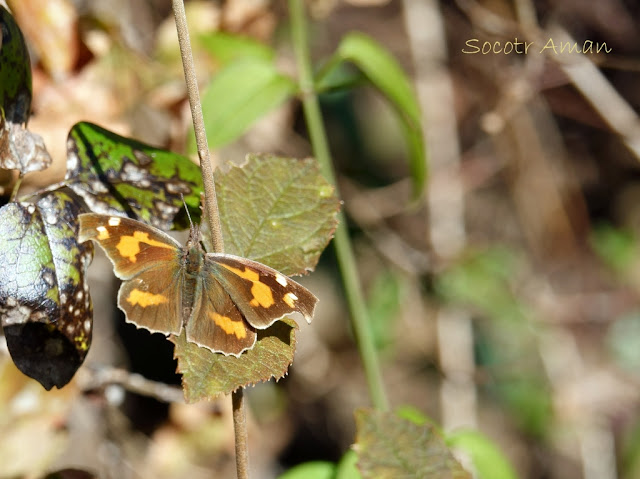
(262, 294)
(149, 262)
(131, 246)
(216, 323)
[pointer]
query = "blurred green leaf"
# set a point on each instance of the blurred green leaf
(623, 339)
(413, 414)
(227, 47)
(311, 470)
(489, 461)
(238, 95)
(529, 399)
(385, 74)
(347, 467)
(390, 447)
(383, 303)
(616, 247)
(119, 176)
(482, 280)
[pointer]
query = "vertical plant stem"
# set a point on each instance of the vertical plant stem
(210, 205)
(240, 425)
(211, 211)
(342, 243)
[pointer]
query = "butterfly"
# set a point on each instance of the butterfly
(220, 299)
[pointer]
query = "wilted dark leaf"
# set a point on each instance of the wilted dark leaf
(19, 148)
(120, 176)
(15, 71)
(45, 307)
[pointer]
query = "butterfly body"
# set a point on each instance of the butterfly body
(220, 300)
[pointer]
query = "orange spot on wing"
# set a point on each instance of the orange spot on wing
(229, 326)
(262, 294)
(144, 298)
(129, 246)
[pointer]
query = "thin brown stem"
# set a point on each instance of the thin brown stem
(210, 210)
(210, 204)
(240, 426)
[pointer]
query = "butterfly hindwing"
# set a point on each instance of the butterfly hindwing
(153, 300)
(262, 294)
(131, 246)
(216, 323)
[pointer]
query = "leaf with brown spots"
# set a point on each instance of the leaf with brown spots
(45, 307)
(119, 176)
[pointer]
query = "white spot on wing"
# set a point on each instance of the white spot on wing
(281, 279)
(113, 221)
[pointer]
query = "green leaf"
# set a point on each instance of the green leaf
(487, 458)
(45, 307)
(206, 375)
(347, 467)
(120, 176)
(617, 248)
(311, 470)
(383, 303)
(390, 447)
(15, 71)
(227, 47)
(278, 211)
(386, 75)
(239, 95)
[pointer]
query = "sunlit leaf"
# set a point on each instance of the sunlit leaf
(311, 470)
(278, 211)
(226, 47)
(348, 467)
(240, 94)
(120, 176)
(45, 308)
(390, 447)
(488, 460)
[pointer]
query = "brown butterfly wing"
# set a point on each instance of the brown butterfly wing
(216, 323)
(149, 262)
(131, 246)
(262, 294)
(153, 300)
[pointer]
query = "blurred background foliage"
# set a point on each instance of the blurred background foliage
(507, 300)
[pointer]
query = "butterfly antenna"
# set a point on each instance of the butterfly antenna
(194, 232)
